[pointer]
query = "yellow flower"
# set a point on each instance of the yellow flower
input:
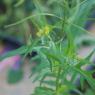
(39, 34)
(43, 32)
(46, 30)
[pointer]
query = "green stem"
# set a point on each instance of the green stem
(57, 81)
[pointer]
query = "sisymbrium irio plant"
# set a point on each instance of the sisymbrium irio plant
(58, 24)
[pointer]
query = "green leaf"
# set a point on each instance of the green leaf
(90, 55)
(82, 81)
(88, 76)
(18, 51)
(14, 76)
(43, 91)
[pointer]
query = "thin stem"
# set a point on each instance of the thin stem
(57, 81)
(32, 16)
